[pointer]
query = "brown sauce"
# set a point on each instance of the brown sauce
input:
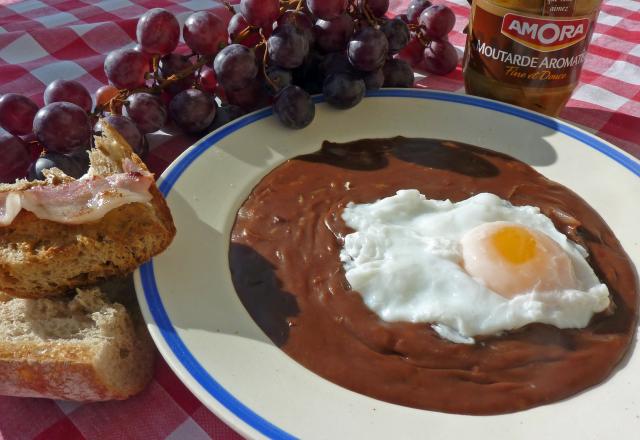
(284, 260)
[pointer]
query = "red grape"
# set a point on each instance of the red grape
(15, 158)
(193, 110)
(17, 113)
(158, 31)
(398, 34)
(377, 7)
(415, 9)
(236, 26)
(260, 13)
(126, 68)
(208, 80)
(288, 47)
(327, 9)
(205, 33)
(127, 129)
(62, 127)
(235, 67)
(398, 73)
(333, 35)
(440, 57)
(368, 49)
(294, 107)
(343, 90)
(438, 20)
(105, 94)
(62, 90)
(172, 64)
(146, 110)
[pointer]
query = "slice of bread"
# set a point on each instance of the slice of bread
(40, 258)
(81, 347)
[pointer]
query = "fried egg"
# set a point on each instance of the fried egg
(481, 266)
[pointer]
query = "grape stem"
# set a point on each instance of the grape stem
(366, 10)
(229, 7)
(265, 59)
(244, 33)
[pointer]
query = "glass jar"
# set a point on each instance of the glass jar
(528, 52)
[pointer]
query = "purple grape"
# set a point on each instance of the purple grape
(300, 20)
(146, 110)
(343, 90)
(158, 31)
(397, 33)
(235, 67)
(17, 113)
(415, 9)
(368, 49)
(377, 7)
(438, 21)
(260, 13)
(440, 57)
(336, 62)
(127, 129)
(126, 68)
(397, 73)
(278, 79)
(62, 90)
(327, 9)
(224, 115)
(15, 158)
(374, 80)
(62, 127)
(250, 98)
(294, 107)
(172, 64)
(72, 166)
(288, 47)
(205, 33)
(333, 35)
(309, 76)
(193, 110)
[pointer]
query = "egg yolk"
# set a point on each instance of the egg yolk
(512, 259)
(514, 244)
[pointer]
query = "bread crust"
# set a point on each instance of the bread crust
(114, 367)
(40, 258)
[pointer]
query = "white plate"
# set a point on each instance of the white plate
(213, 345)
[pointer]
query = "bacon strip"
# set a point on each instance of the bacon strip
(80, 201)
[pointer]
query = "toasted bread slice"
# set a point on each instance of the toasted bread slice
(40, 258)
(82, 347)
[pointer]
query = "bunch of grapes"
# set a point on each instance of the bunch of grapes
(429, 48)
(269, 52)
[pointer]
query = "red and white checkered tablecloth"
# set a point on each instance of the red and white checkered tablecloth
(42, 40)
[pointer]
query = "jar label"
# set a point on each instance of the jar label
(528, 50)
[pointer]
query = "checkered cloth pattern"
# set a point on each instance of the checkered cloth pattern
(42, 40)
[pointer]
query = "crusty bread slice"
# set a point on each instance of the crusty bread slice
(82, 347)
(40, 258)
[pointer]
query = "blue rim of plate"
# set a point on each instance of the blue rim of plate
(147, 275)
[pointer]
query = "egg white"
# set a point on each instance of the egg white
(404, 258)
